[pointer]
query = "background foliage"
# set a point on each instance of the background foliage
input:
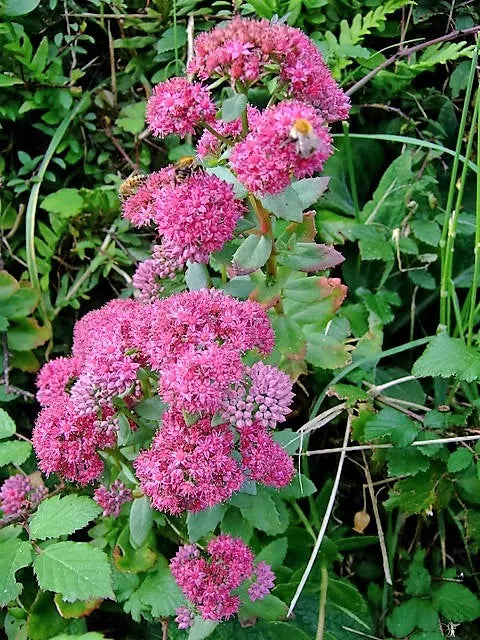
(74, 80)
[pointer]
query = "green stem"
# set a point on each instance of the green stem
(451, 189)
(351, 170)
(33, 201)
(451, 226)
(476, 250)
(323, 602)
(304, 520)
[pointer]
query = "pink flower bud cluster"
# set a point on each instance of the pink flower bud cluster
(178, 106)
(18, 496)
(264, 396)
(209, 580)
(250, 50)
(267, 159)
(113, 498)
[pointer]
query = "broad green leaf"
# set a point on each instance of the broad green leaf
(130, 560)
(403, 619)
(268, 608)
(203, 522)
(14, 555)
(235, 525)
(310, 189)
(300, 487)
(132, 117)
(393, 425)
(274, 553)
(77, 609)
(140, 521)
(263, 513)
(21, 303)
(151, 408)
(252, 254)
(44, 618)
(8, 285)
(456, 602)
(344, 596)
(326, 352)
(406, 461)
(13, 8)
(7, 425)
(59, 516)
(14, 452)
(232, 108)
(201, 628)
(91, 635)
(459, 460)
(26, 334)
(448, 357)
(77, 570)
(67, 202)
(419, 581)
(171, 37)
(415, 494)
(160, 592)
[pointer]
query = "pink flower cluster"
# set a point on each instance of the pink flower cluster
(209, 580)
(194, 218)
(112, 499)
(249, 50)
(267, 159)
(18, 496)
(178, 106)
(77, 393)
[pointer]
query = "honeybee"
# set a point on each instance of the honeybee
(306, 140)
(131, 185)
(185, 168)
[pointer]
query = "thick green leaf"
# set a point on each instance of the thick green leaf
(459, 460)
(7, 425)
(286, 205)
(196, 276)
(77, 570)
(252, 254)
(151, 408)
(14, 452)
(203, 522)
(310, 257)
(59, 516)
(300, 487)
(268, 608)
(140, 521)
(393, 425)
(263, 513)
(446, 357)
(201, 628)
(310, 189)
(14, 555)
(232, 108)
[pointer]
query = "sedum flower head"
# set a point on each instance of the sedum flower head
(18, 496)
(267, 159)
(53, 379)
(112, 498)
(179, 106)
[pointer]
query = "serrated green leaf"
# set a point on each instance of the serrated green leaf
(14, 555)
(21, 303)
(274, 553)
(25, 334)
(67, 202)
(299, 487)
(61, 516)
(393, 425)
(268, 608)
(456, 602)
(77, 570)
(132, 117)
(14, 452)
(447, 357)
(8, 285)
(160, 592)
(7, 425)
(459, 460)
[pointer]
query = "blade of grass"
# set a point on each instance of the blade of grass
(33, 201)
(351, 170)
(476, 250)
(446, 284)
(444, 301)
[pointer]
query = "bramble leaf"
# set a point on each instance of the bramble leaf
(14, 555)
(59, 516)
